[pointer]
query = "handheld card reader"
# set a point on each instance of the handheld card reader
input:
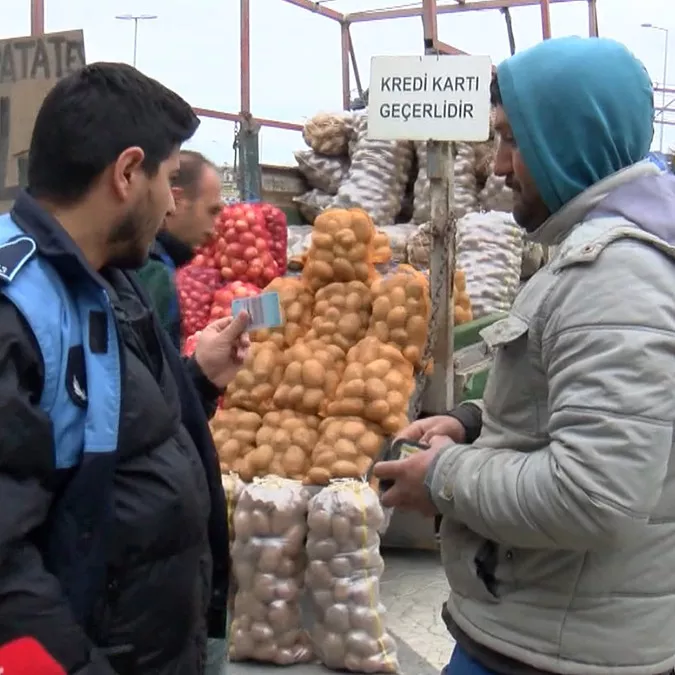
(392, 450)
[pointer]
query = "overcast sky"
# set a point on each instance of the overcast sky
(193, 47)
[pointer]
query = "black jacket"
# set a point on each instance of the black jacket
(161, 586)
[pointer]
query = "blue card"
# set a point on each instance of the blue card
(264, 310)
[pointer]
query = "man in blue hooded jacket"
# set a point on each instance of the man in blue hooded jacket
(558, 491)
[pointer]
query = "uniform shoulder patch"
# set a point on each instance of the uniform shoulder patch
(14, 254)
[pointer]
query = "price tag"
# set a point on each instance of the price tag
(264, 310)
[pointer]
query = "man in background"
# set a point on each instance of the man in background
(197, 194)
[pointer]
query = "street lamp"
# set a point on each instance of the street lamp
(135, 18)
(666, 34)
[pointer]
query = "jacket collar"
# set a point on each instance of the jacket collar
(561, 223)
(52, 241)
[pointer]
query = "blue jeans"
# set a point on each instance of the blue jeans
(216, 657)
(462, 664)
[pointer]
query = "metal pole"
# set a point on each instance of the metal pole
(663, 98)
(135, 38)
(135, 18)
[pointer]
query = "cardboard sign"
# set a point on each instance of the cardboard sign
(29, 68)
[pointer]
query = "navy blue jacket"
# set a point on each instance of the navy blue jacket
(165, 558)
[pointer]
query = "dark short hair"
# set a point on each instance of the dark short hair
(495, 93)
(192, 165)
(90, 117)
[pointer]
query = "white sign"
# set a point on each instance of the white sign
(429, 98)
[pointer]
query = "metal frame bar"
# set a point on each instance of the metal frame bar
(427, 10)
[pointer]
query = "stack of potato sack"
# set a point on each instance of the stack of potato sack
(289, 548)
(316, 397)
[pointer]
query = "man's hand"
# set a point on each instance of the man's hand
(222, 348)
(409, 491)
(427, 429)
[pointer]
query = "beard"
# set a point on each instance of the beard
(530, 214)
(130, 241)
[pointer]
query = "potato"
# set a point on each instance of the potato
(297, 301)
(254, 385)
(341, 314)
(343, 579)
(346, 448)
(311, 375)
(401, 312)
(234, 433)
(342, 248)
(376, 385)
(268, 563)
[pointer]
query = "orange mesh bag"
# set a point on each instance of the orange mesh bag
(297, 302)
(376, 386)
(311, 376)
(341, 314)
(341, 249)
(381, 248)
(291, 437)
(401, 312)
(234, 433)
(347, 448)
(254, 385)
(462, 302)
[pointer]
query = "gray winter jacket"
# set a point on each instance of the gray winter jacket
(570, 487)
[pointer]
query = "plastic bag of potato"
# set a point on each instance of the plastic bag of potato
(401, 311)
(466, 187)
(233, 486)
(311, 376)
(376, 386)
(341, 314)
(322, 172)
(418, 247)
(254, 385)
(288, 438)
(495, 196)
(312, 203)
(268, 561)
(234, 433)
(343, 577)
(346, 448)
(342, 248)
(329, 133)
(422, 187)
(297, 302)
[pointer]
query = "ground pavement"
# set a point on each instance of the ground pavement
(413, 589)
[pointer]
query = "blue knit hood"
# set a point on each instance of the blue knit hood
(581, 109)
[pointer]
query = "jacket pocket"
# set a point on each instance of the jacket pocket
(476, 568)
(515, 390)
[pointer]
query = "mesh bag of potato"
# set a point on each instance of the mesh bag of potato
(376, 386)
(346, 448)
(268, 561)
(489, 250)
(341, 314)
(418, 247)
(312, 203)
(397, 240)
(495, 196)
(322, 172)
(311, 376)
(343, 577)
(234, 433)
(422, 187)
(401, 312)
(381, 248)
(255, 383)
(297, 302)
(342, 248)
(286, 440)
(466, 187)
(329, 133)
(377, 177)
